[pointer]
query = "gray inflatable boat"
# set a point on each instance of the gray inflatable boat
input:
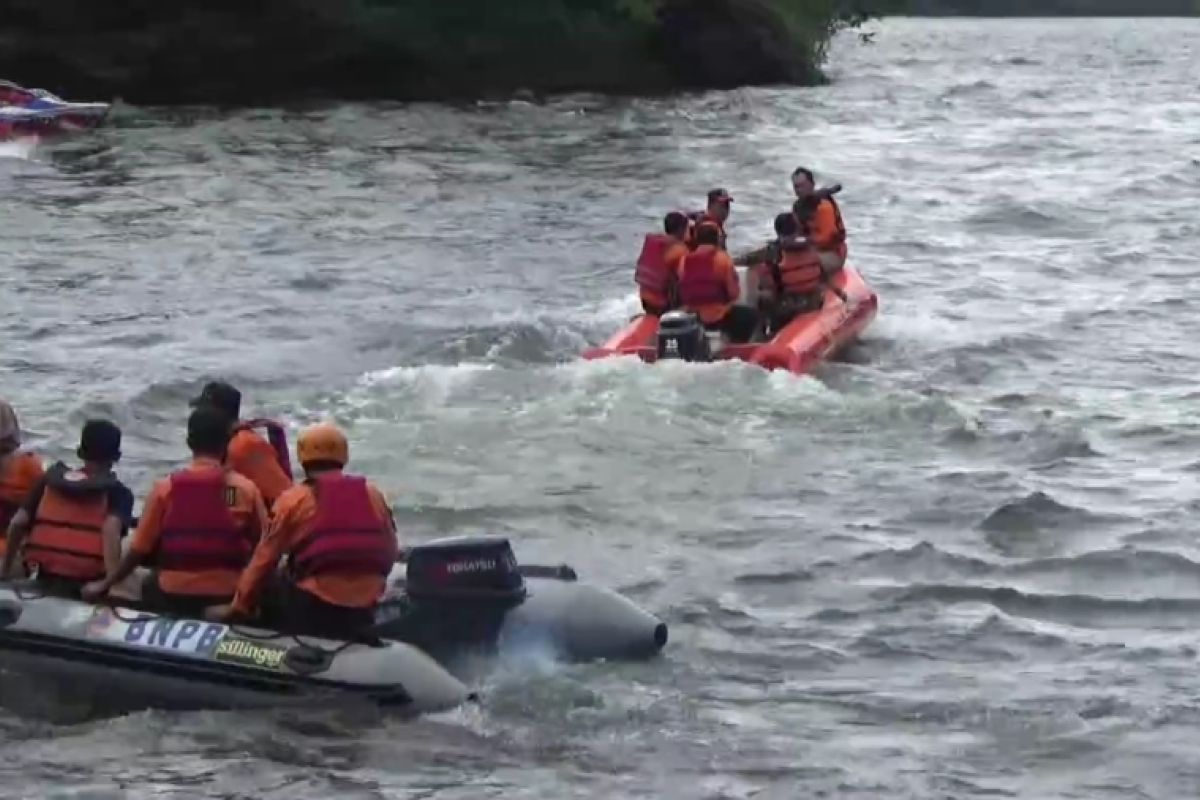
(467, 595)
(125, 659)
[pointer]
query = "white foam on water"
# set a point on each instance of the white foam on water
(22, 148)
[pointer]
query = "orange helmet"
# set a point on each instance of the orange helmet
(322, 442)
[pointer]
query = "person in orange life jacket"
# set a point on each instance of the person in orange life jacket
(716, 213)
(69, 530)
(708, 287)
(265, 463)
(198, 528)
(20, 470)
(658, 265)
(820, 220)
(798, 276)
(339, 536)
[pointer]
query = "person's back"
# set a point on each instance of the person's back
(248, 453)
(708, 283)
(339, 536)
(20, 471)
(69, 530)
(198, 528)
(254, 457)
(658, 265)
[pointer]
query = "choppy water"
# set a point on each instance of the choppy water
(961, 565)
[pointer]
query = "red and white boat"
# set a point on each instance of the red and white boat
(38, 113)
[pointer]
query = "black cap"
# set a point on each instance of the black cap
(719, 196)
(222, 396)
(99, 441)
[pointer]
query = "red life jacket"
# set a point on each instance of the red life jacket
(800, 270)
(653, 273)
(699, 282)
(66, 538)
(276, 435)
(198, 531)
(698, 218)
(347, 537)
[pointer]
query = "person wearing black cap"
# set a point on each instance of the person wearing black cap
(69, 530)
(265, 463)
(716, 213)
(198, 528)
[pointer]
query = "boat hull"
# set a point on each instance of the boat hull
(562, 618)
(117, 660)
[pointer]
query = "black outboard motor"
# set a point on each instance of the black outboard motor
(465, 568)
(680, 335)
(457, 592)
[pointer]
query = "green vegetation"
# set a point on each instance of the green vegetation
(148, 51)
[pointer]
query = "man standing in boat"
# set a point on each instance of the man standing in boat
(716, 214)
(820, 219)
(265, 463)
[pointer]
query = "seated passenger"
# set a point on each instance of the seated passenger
(716, 214)
(339, 537)
(708, 287)
(198, 528)
(69, 530)
(20, 470)
(265, 463)
(820, 220)
(798, 276)
(658, 265)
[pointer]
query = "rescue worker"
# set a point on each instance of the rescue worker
(798, 276)
(708, 287)
(198, 528)
(820, 219)
(658, 265)
(716, 213)
(265, 463)
(20, 470)
(339, 537)
(69, 530)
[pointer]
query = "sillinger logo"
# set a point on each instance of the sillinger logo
(236, 650)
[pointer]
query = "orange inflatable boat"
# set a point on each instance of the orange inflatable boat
(805, 341)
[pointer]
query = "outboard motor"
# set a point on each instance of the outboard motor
(680, 335)
(457, 593)
(465, 568)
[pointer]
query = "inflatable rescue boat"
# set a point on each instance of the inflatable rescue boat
(847, 308)
(454, 599)
(120, 659)
(468, 595)
(36, 112)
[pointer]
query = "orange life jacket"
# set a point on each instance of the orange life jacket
(699, 218)
(839, 238)
(65, 538)
(653, 273)
(13, 492)
(347, 537)
(700, 283)
(198, 531)
(276, 435)
(800, 270)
